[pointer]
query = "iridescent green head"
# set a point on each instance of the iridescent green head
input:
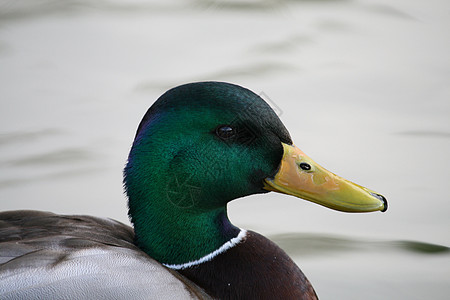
(201, 145)
(198, 147)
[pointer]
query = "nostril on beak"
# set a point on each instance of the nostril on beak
(381, 197)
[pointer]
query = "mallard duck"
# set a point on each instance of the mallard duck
(198, 147)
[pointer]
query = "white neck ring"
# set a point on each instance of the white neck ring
(228, 245)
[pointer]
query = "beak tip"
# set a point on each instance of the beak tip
(383, 199)
(385, 205)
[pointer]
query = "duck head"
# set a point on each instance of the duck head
(201, 145)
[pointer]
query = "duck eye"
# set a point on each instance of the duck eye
(225, 132)
(305, 166)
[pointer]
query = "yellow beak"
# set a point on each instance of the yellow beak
(300, 176)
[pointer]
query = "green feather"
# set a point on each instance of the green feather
(180, 174)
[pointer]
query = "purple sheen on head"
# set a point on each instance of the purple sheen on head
(226, 227)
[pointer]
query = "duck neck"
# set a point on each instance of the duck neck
(180, 237)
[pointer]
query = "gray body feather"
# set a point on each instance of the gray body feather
(49, 256)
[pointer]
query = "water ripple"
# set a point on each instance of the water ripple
(426, 133)
(389, 11)
(258, 69)
(298, 244)
(63, 156)
(26, 136)
(57, 175)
